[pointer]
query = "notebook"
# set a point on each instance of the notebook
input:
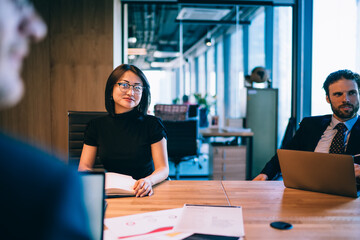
(94, 198)
(319, 172)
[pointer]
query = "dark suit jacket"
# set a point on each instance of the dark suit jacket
(41, 198)
(307, 137)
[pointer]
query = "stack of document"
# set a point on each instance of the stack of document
(212, 220)
(192, 222)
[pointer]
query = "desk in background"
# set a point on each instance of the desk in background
(229, 162)
(313, 215)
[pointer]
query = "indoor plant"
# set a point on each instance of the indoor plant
(204, 102)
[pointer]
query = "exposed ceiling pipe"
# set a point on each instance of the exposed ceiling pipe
(146, 26)
(153, 24)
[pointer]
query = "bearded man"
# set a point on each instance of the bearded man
(337, 133)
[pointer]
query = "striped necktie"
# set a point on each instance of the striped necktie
(338, 142)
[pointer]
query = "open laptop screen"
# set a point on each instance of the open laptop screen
(319, 172)
(94, 185)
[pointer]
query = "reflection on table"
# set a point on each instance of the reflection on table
(313, 215)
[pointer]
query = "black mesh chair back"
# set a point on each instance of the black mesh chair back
(289, 132)
(182, 143)
(193, 111)
(78, 121)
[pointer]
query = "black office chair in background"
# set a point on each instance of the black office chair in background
(78, 121)
(193, 111)
(182, 142)
(182, 125)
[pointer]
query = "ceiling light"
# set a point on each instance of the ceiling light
(215, 14)
(132, 40)
(208, 42)
(161, 64)
(166, 54)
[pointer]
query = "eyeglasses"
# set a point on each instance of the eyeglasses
(124, 87)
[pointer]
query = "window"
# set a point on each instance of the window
(211, 75)
(161, 85)
(220, 80)
(282, 69)
(257, 40)
(336, 45)
(236, 75)
(187, 79)
(201, 74)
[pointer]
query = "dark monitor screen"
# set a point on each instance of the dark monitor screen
(94, 195)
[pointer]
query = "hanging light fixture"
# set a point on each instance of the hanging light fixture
(208, 42)
(132, 38)
(208, 39)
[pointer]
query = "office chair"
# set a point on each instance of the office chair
(78, 121)
(193, 111)
(171, 112)
(289, 132)
(288, 135)
(182, 142)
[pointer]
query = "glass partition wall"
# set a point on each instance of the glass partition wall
(211, 50)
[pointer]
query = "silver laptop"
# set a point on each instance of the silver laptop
(319, 172)
(94, 198)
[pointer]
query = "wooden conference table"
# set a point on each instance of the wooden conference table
(313, 215)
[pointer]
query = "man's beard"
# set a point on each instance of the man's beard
(345, 114)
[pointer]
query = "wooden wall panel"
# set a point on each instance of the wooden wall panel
(66, 71)
(81, 60)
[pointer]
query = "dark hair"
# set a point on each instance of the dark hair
(340, 74)
(116, 74)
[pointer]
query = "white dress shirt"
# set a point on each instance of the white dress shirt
(327, 137)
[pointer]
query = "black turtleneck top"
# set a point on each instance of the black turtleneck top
(124, 142)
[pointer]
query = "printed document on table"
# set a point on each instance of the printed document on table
(150, 225)
(214, 220)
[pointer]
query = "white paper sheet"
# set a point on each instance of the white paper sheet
(214, 220)
(149, 225)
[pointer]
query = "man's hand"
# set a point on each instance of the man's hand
(143, 187)
(261, 177)
(357, 170)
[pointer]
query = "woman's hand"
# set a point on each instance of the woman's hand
(261, 177)
(357, 170)
(143, 187)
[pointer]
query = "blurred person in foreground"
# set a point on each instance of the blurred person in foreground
(41, 198)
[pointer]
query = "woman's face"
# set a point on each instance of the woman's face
(128, 94)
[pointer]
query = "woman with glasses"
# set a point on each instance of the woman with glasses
(129, 141)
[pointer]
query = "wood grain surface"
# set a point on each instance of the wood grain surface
(313, 215)
(167, 195)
